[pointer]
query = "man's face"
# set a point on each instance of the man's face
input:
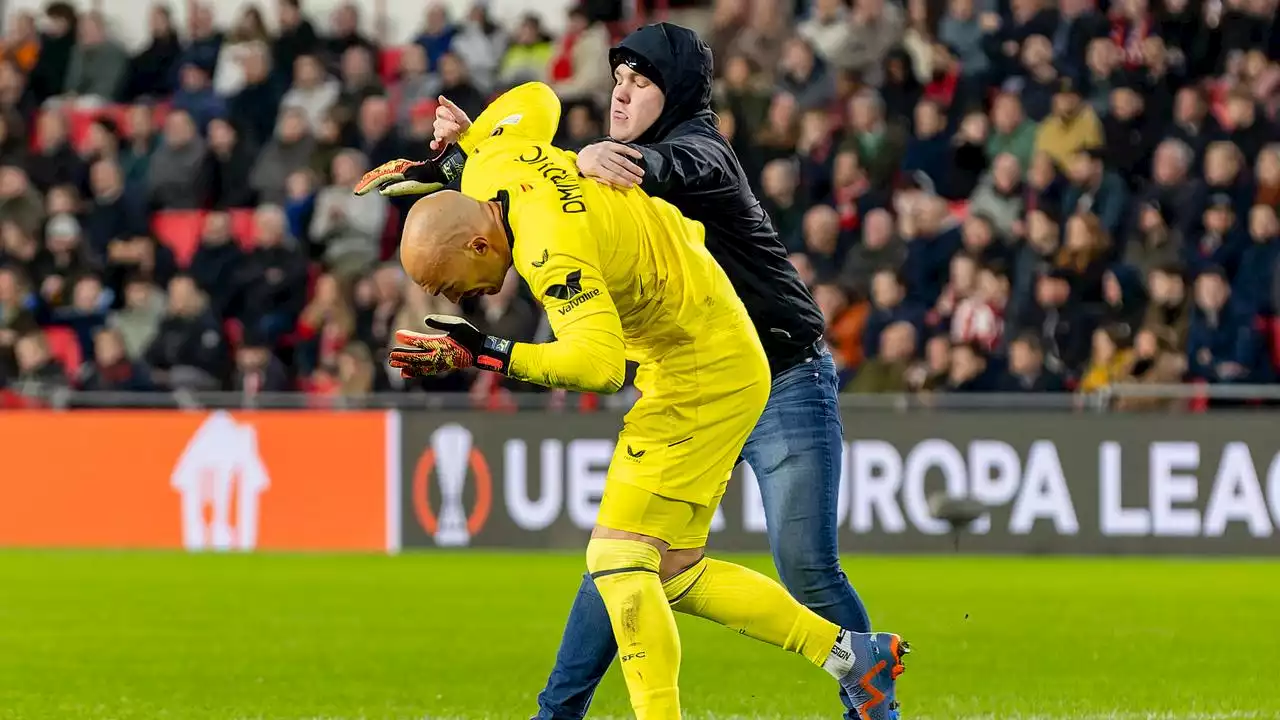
(1262, 223)
(293, 127)
(452, 71)
(635, 105)
(1066, 104)
(471, 271)
(30, 353)
(1241, 112)
(1167, 167)
(1006, 173)
(1187, 107)
(1006, 113)
(885, 290)
(821, 230)
(1082, 169)
(778, 180)
(1111, 290)
(182, 296)
(104, 177)
(1125, 103)
(1024, 359)
(217, 228)
(976, 234)
(1211, 293)
(1218, 220)
(1220, 165)
(356, 65)
(179, 130)
(928, 119)
(899, 342)
(877, 229)
(107, 348)
(1052, 292)
(193, 78)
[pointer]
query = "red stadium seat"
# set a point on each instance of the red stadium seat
(180, 230)
(242, 227)
(389, 64)
(64, 346)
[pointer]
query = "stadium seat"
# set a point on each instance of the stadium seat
(64, 346)
(242, 227)
(180, 230)
(389, 63)
(234, 330)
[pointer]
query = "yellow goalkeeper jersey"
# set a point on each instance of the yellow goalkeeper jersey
(619, 273)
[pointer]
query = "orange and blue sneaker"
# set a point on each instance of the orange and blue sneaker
(875, 662)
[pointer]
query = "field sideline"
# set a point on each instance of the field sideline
(470, 636)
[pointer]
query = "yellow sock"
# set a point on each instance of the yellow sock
(755, 606)
(626, 574)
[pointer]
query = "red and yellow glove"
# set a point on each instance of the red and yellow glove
(414, 177)
(458, 345)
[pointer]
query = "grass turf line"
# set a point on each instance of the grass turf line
(471, 636)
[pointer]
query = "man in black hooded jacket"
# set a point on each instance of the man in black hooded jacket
(664, 138)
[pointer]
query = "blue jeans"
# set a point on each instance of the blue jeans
(795, 451)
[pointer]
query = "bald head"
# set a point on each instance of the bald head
(455, 246)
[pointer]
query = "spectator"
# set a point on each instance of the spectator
(112, 213)
(960, 28)
(1044, 187)
(356, 372)
(299, 209)
(1266, 174)
(19, 202)
(527, 55)
(56, 162)
(1155, 362)
(99, 66)
(139, 320)
(39, 373)
(230, 164)
(12, 148)
(742, 92)
(217, 263)
(1103, 61)
(197, 98)
(328, 143)
(1171, 187)
(1125, 302)
(577, 72)
(1129, 135)
(152, 71)
(828, 31)
(138, 147)
(21, 44)
(1249, 132)
(254, 109)
(1156, 241)
(20, 248)
(1224, 176)
(1084, 257)
(456, 85)
(57, 42)
(289, 152)
(376, 132)
(962, 282)
(63, 199)
(479, 44)
(1221, 344)
(778, 138)
(206, 40)
(1072, 128)
(979, 318)
(139, 254)
(781, 186)
(1097, 190)
(387, 300)
(348, 227)
(189, 350)
(177, 178)
(887, 372)
(1011, 131)
(248, 37)
(881, 249)
(507, 313)
(970, 370)
(582, 126)
(1037, 81)
(978, 239)
(325, 326)
(345, 34)
(901, 89)
(359, 83)
(297, 38)
(889, 304)
(1258, 266)
(928, 150)
(1192, 122)
(1062, 324)
(999, 197)
(877, 27)
(102, 142)
(85, 312)
(415, 84)
(1026, 371)
(805, 76)
(880, 145)
(111, 369)
(1169, 310)
(17, 313)
(932, 238)
(967, 156)
(845, 321)
(273, 278)
(822, 240)
(312, 92)
(437, 33)
(65, 258)
(1222, 239)
(258, 370)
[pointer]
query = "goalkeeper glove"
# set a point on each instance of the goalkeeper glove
(458, 345)
(410, 177)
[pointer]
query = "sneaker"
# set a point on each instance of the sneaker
(875, 663)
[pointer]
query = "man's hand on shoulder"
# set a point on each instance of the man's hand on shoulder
(611, 163)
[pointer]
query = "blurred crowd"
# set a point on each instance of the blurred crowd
(983, 195)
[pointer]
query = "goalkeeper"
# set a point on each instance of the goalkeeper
(623, 276)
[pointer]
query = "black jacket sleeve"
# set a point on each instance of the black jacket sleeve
(684, 163)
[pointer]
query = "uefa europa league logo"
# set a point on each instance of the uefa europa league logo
(452, 447)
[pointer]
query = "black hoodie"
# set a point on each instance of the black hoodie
(689, 164)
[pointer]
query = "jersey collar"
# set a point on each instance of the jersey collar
(503, 198)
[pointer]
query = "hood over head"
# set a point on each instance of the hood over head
(678, 62)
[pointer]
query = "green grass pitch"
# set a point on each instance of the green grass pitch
(471, 635)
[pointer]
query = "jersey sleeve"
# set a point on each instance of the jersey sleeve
(588, 354)
(530, 111)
